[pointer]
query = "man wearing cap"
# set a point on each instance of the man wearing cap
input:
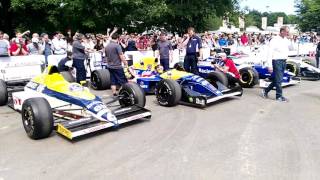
(164, 50)
(34, 47)
(228, 67)
(193, 44)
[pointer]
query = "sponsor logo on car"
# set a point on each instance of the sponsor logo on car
(205, 71)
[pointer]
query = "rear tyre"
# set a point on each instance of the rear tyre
(37, 118)
(249, 77)
(132, 94)
(100, 79)
(293, 67)
(3, 93)
(68, 76)
(168, 92)
(217, 76)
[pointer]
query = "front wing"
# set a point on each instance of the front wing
(79, 127)
(191, 97)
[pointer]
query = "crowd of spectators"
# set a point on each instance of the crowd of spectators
(31, 44)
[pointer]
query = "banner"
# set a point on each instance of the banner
(225, 22)
(241, 22)
(280, 21)
(264, 22)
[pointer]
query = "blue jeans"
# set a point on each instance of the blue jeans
(278, 65)
(165, 64)
(190, 64)
(81, 70)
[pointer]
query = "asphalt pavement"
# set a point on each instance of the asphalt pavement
(239, 138)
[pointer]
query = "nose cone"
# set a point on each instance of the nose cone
(109, 117)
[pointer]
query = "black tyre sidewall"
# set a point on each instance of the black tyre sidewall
(100, 79)
(252, 79)
(3, 93)
(218, 76)
(42, 117)
(172, 87)
(135, 90)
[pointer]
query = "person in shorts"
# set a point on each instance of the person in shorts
(115, 58)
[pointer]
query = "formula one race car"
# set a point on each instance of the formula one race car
(49, 102)
(304, 69)
(176, 86)
(252, 69)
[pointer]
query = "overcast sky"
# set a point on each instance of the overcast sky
(286, 6)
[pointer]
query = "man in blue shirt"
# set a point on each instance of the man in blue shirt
(222, 41)
(193, 44)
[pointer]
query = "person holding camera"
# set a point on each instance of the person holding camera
(34, 47)
(18, 47)
(193, 44)
(46, 47)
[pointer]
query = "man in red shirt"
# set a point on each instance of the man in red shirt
(18, 47)
(244, 39)
(229, 68)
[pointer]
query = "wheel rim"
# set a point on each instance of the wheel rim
(290, 68)
(126, 98)
(95, 80)
(245, 77)
(163, 94)
(28, 119)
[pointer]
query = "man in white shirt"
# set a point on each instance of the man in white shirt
(278, 53)
(4, 46)
(59, 45)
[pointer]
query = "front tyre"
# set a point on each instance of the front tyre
(131, 94)
(168, 92)
(3, 93)
(37, 118)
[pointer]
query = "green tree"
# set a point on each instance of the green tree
(96, 16)
(309, 14)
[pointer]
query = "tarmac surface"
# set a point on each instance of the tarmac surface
(240, 138)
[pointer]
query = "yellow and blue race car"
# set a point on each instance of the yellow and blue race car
(177, 86)
(50, 102)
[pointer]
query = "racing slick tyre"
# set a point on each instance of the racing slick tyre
(249, 77)
(3, 93)
(68, 76)
(168, 92)
(293, 67)
(37, 118)
(100, 79)
(217, 76)
(131, 94)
